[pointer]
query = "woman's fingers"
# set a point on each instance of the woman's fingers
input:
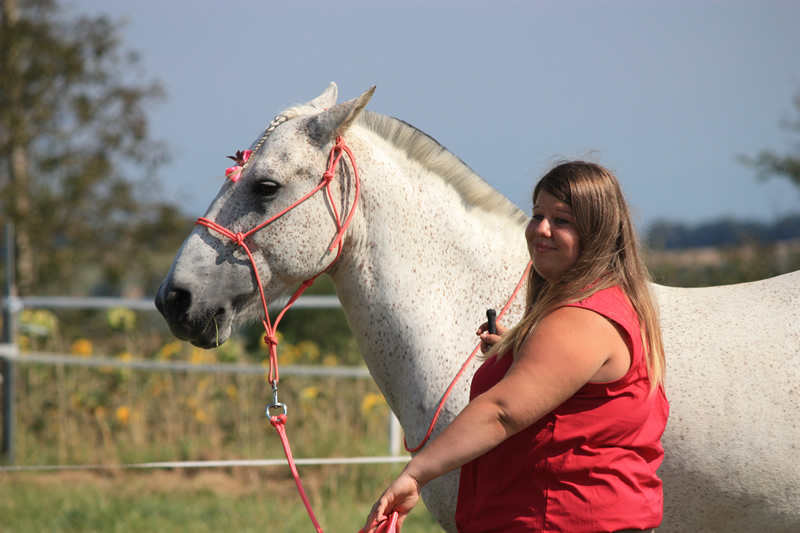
(483, 328)
(401, 496)
(375, 516)
(488, 340)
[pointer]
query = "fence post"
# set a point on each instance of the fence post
(10, 337)
(395, 434)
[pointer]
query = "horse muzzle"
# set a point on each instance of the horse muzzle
(205, 324)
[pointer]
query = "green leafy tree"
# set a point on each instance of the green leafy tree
(769, 164)
(76, 156)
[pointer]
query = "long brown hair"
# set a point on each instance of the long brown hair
(609, 256)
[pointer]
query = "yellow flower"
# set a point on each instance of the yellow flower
(200, 416)
(123, 414)
(40, 322)
(232, 391)
(330, 360)
(121, 318)
(289, 355)
(310, 350)
(82, 347)
(198, 356)
(24, 343)
(309, 393)
(372, 401)
(169, 350)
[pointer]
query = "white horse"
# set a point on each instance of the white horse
(431, 246)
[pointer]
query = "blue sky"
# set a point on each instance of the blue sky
(666, 93)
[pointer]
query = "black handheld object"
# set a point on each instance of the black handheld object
(491, 316)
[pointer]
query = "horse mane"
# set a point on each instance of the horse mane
(423, 148)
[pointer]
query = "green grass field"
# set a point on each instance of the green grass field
(196, 501)
(74, 415)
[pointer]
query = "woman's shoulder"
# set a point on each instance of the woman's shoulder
(611, 302)
(575, 320)
(577, 339)
(612, 294)
(610, 297)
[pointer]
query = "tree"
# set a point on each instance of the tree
(73, 129)
(769, 164)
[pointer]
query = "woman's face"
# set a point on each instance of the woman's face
(553, 241)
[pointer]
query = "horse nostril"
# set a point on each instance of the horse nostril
(177, 302)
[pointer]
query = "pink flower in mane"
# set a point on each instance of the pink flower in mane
(233, 173)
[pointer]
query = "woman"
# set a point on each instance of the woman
(563, 429)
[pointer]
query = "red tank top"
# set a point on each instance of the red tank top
(588, 466)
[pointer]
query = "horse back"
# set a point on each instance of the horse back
(733, 380)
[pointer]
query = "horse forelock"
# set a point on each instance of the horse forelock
(423, 148)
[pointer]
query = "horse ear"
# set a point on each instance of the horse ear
(335, 121)
(327, 98)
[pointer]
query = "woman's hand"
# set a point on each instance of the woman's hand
(488, 340)
(401, 496)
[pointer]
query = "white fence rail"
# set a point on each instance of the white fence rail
(11, 352)
(11, 356)
(16, 305)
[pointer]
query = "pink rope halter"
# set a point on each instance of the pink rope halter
(278, 420)
(339, 149)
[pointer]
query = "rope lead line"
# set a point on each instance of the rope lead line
(278, 422)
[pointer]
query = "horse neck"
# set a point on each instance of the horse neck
(420, 269)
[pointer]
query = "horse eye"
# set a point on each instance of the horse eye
(266, 188)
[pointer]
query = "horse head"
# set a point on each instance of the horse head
(277, 221)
